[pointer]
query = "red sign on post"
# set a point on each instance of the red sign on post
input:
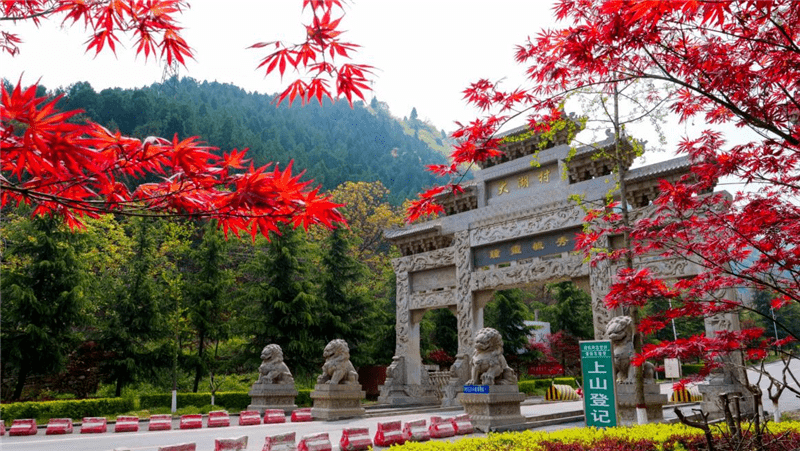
(545, 370)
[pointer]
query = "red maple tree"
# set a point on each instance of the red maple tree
(62, 166)
(725, 62)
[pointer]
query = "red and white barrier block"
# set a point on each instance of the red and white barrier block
(249, 418)
(58, 426)
(441, 428)
(230, 444)
(93, 425)
(23, 427)
(300, 415)
(416, 431)
(181, 447)
(126, 424)
(160, 422)
(283, 442)
(315, 442)
(219, 419)
(193, 421)
(355, 439)
(462, 424)
(389, 434)
(272, 416)
(2, 427)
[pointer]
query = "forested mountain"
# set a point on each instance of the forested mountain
(333, 143)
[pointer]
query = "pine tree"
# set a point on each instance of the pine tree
(281, 305)
(347, 312)
(135, 317)
(208, 296)
(42, 298)
(572, 311)
(507, 313)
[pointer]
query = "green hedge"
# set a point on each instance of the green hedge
(529, 387)
(688, 369)
(75, 409)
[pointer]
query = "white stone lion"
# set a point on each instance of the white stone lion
(337, 368)
(489, 367)
(620, 331)
(272, 369)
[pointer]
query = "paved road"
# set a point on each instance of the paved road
(150, 441)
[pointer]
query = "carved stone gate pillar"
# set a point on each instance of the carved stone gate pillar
(732, 377)
(600, 283)
(468, 315)
(407, 382)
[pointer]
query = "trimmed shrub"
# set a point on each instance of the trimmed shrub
(303, 398)
(530, 387)
(666, 437)
(75, 409)
(687, 369)
(233, 400)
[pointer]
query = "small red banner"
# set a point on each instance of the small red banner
(545, 370)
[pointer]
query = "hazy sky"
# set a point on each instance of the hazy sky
(425, 52)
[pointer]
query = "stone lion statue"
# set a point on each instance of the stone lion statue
(272, 369)
(337, 368)
(620, 331)
(489, 367)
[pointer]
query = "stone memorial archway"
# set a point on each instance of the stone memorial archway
(513, 225)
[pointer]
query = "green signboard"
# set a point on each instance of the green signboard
(599, 397)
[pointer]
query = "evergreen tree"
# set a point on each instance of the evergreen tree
(208, 296)
(346, 312)
(445, 331)
(507, 313)
(134, 320)
(572, 311)
(280, 300)
(42, 298)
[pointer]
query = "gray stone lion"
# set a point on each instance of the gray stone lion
(620, 331)
(489, 367)
(272, 369)
(337, 368)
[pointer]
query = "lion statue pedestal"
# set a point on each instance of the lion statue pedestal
(620, 331)
(274, 388)
(497, 409)
(337, 394)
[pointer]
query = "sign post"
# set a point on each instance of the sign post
(599, 396)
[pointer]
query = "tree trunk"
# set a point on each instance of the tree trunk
(118, 391)
(201, 338)
(24, 369)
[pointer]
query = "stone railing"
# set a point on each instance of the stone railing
(439, 379)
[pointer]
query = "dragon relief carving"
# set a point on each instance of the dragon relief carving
(537, 271)
(436, 299)
(403, 318)
(599, 285)
(564, 216)
(423, 261)
(463, 293)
